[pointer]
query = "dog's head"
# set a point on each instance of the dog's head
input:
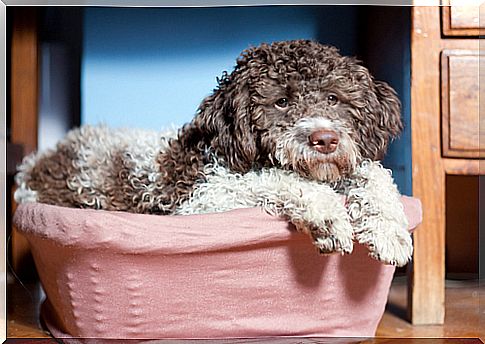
(302, 106)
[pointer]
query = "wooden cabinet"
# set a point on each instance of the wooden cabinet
(445, 138)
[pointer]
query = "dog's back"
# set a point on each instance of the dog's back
(95, 167)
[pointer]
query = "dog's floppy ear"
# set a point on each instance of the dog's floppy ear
(383, 122)
(390, 108)
(226, 117)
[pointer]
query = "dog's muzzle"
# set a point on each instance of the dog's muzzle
(318, 148)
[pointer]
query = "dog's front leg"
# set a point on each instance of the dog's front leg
(378, 217)
(314, 208)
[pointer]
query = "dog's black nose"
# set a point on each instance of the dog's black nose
(324, 140)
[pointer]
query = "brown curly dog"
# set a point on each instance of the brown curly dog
(298, 105)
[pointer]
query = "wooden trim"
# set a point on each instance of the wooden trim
(449, 30)
(464, 167)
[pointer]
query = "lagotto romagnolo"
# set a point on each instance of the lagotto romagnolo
(295, 128)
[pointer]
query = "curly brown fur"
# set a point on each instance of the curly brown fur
(284, 90)
(98, 167)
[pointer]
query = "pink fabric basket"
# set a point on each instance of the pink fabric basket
(241, 273)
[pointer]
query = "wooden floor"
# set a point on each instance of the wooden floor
(465, 314)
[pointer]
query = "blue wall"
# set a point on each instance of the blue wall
(388, 57)
(151, 67)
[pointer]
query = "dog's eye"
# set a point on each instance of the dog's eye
(282, 103)
(332, 99)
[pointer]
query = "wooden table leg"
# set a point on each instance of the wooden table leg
(427, 271)
(24, 106)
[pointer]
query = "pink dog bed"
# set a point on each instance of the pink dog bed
(241, 273)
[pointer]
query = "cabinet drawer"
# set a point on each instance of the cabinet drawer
(459, 20)
(459, 104)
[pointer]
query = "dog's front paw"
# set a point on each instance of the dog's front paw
(393, 247)
(333, 243)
